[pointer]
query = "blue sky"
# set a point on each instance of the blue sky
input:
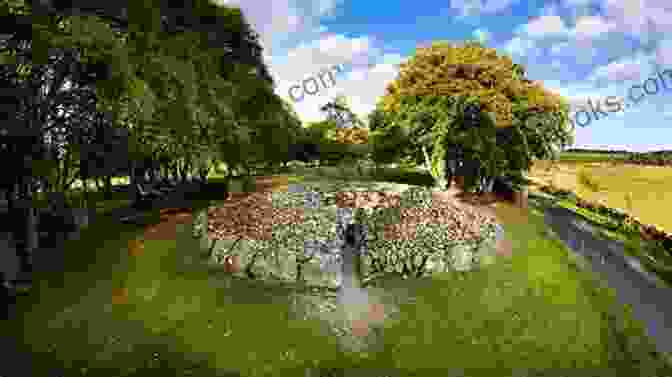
(582, 49)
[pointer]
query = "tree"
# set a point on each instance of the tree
(388, 144)
(462, 96)
(338, 112)
(66, 71)
(105, 90)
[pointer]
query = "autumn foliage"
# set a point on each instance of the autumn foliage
(471, 70)
(355, 135)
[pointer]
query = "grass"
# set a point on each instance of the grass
(537, 310)
(591, 157)
(653, 257)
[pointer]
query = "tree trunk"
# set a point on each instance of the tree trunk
(428, 161)
(85, 179)
(32, 242)
(27, 232)
(203, 173)
(152, 174)
(172, 171)
(132, 180)
(229, 176)
(183, 174)
(485, 184)
(108, 186)
(520, 198)
(451, 170)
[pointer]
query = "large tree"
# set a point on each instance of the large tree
(471, 112)
(75, 78)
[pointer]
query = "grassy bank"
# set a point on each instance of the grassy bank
(162, 313)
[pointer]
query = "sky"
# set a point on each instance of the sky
(585, 50)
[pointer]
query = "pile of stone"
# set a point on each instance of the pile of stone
(295, 220)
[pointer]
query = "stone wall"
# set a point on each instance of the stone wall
(318, 240)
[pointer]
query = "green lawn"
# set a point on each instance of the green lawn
(537, 310)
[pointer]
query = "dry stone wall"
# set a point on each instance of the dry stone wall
(305, 231)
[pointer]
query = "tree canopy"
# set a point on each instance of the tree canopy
(471, 110)
(473, 70)
(97, 91)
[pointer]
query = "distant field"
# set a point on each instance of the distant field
(650, 186)
(591, 157)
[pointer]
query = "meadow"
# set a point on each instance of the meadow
(643, 191)
(164, 312)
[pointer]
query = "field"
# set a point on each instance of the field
(592, 157)
(162, 313)
(647, 186)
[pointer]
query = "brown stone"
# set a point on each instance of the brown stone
(232, 264)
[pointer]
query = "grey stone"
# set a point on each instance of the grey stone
(293, 187)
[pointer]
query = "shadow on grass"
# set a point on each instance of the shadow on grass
(530, 311)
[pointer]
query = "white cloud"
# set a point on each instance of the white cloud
(639, 18)
(369, 71)
(474, 8)
(591, 27)
(543, 26)
(362, 87)
(280, 20)
(297, 22)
